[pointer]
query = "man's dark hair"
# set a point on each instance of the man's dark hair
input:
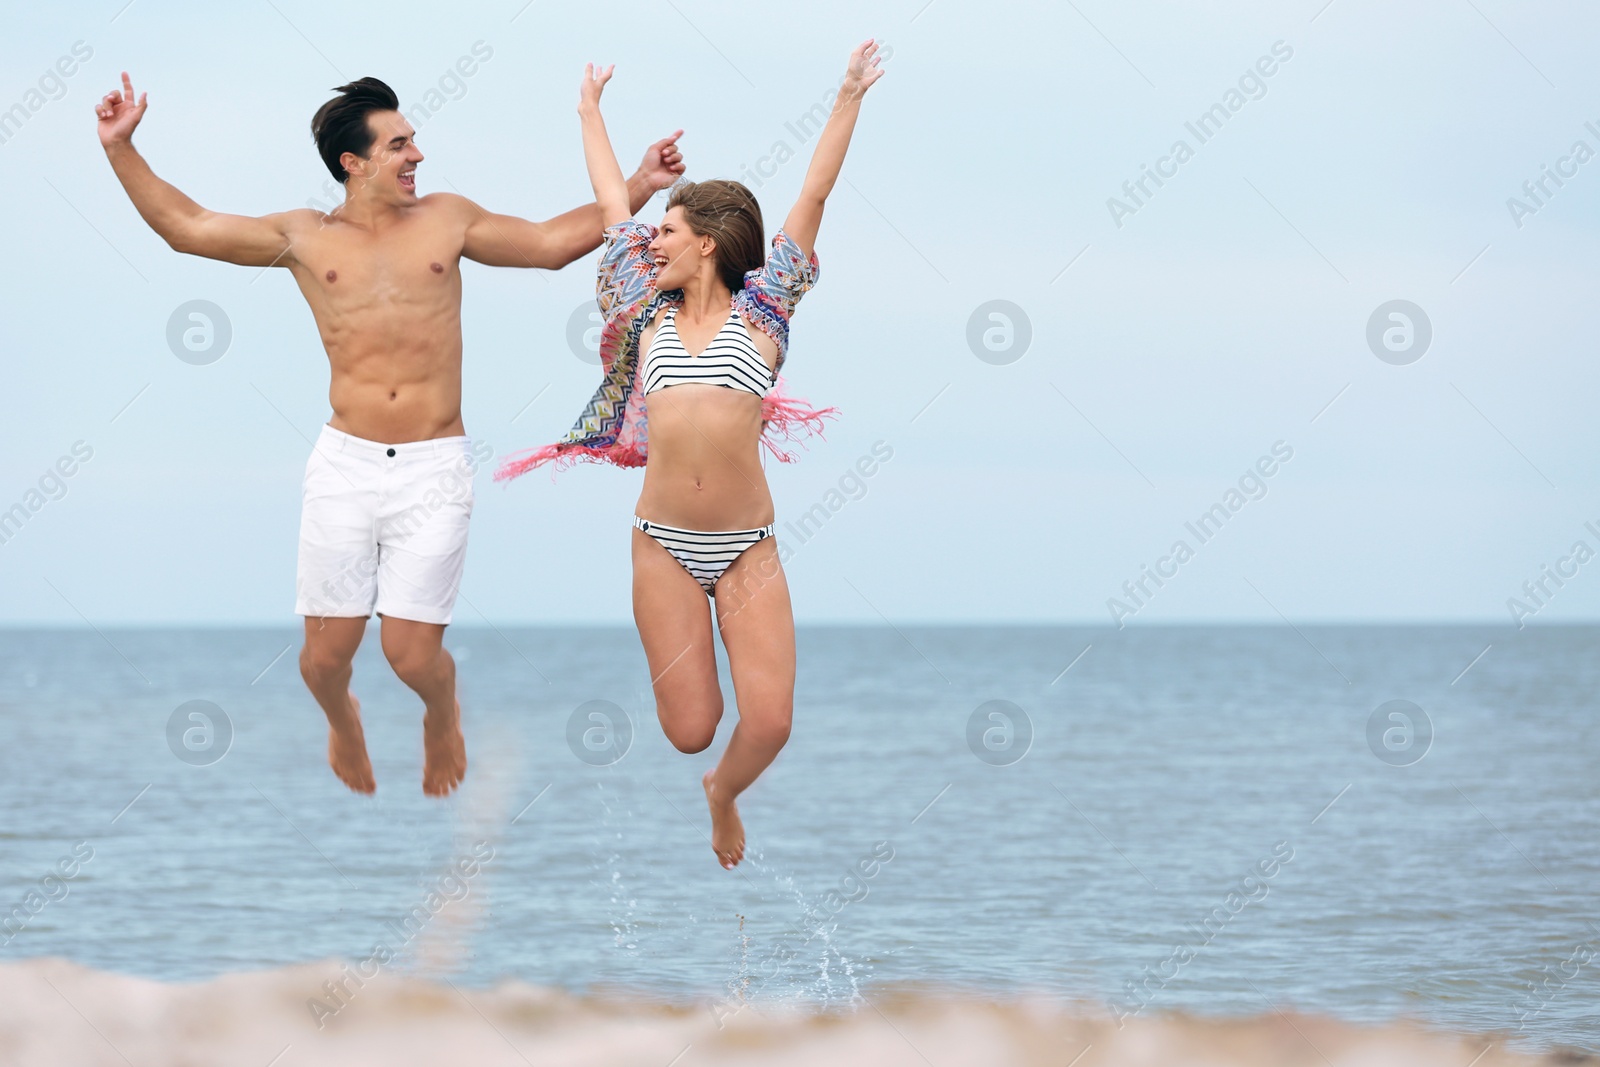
(340, 125)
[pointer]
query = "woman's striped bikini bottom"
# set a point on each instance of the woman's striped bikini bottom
(705, 554)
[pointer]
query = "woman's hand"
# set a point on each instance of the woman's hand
(594, 81)
(610, 189)
(863, 69)
(828, 156)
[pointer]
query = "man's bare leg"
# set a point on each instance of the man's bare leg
(325, 665)
(416, 652)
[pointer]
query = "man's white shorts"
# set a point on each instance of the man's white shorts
(384, 527)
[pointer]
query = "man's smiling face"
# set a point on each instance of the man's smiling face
(389, 173)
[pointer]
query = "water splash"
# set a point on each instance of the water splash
(624, 905)
(806, 974)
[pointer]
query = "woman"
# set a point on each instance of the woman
(696, 329)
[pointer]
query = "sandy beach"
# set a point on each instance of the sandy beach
(59, 1014)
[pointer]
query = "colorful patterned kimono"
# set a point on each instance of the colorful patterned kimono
(614, 425)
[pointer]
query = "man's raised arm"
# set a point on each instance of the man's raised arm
(507, 241)
(181, 222)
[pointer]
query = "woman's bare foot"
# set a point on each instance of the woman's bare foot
(444, 751)
(727, 831)
(347, 750)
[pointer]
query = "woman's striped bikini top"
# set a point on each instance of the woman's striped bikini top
(731, 359)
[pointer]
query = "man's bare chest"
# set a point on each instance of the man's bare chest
(414, 263)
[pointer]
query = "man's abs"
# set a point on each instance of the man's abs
(388, 308)
(396, 412)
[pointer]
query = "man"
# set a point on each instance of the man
(388, 488)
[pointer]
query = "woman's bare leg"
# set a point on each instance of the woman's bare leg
(674, 619)
(757, 624)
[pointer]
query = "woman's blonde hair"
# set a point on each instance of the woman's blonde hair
(726, 212)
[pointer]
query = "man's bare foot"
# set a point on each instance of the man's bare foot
(444, 751)
(727, 831)
(347, 751)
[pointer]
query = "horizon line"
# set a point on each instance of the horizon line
(491, 626)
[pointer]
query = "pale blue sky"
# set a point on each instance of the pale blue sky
(1226, 314)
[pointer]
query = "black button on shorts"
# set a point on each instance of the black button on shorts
(391, 453)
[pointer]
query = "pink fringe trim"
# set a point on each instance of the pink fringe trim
(562, 456)
(789, 419)
(784, 419)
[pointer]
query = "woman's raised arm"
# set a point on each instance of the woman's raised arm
(806, 216)
(610, 189)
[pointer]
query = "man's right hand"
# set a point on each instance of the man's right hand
(663, 163)
(119, 115)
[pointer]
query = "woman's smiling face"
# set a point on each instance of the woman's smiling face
(678, 250)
